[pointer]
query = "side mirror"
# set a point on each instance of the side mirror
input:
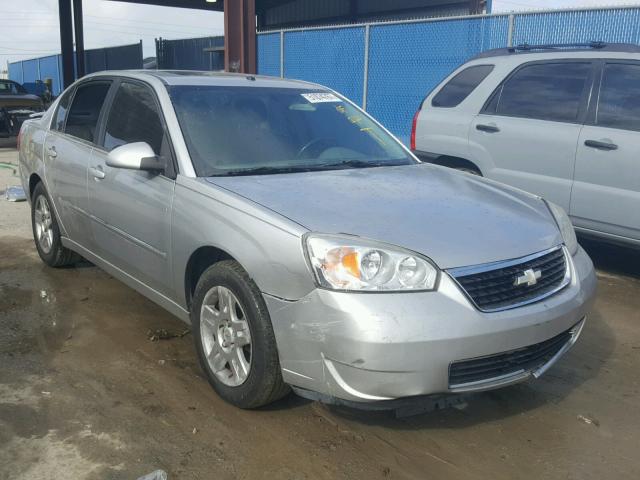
(135, 156)
(36, 115)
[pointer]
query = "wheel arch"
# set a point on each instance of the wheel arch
(456, 162)
(34, 179)
(201, 259)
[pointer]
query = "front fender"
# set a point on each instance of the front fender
(268, 246)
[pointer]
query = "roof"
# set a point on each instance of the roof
(200, 78)
(593, 47)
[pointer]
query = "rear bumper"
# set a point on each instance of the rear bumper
(12, 119)
(380, 347)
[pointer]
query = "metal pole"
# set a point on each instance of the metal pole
(240, 36)
(79, 34)
(512, 19)
(60, 84)
(281, 53)
(365, 86)
(66, 42)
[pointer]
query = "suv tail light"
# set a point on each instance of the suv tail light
(413, 130)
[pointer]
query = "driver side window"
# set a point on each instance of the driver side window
(134, 117)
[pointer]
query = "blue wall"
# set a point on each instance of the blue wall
(96, 60)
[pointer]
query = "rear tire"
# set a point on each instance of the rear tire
(46, 232)
(234, 337)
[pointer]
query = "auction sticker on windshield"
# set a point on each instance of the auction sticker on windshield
(321, 97)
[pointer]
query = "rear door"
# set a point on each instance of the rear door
(131, 209)
(606, 192)
(67, 150)
(530, 126)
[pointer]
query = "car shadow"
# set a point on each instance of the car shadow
(613, 259)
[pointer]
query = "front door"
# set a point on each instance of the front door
(606, 192)
(131, 209)
(530, 127)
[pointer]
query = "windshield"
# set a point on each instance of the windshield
(11, 88)
(258, 131)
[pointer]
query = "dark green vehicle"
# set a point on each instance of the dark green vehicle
(16, 105)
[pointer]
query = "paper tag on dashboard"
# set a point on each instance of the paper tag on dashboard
(321, 97)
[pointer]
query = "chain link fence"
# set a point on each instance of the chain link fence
(388, 68)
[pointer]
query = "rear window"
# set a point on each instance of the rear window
(544, 91)
(82, 119)
(8, 87)
(461, 86)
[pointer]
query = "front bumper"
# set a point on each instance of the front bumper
(379, 347)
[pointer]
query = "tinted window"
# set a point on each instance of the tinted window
(134, 117)
(461, 86)
(231, 130)
(61, 113)
(85, 110)
(549, 91)
(11, 88)
(619, 105)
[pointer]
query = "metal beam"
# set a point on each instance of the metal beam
(66, 41)
(191, 4)
(79, 36)
(240, 36)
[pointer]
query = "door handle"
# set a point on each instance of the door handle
(604, 145)
(51, 152)
(487, 128)
(97, 172)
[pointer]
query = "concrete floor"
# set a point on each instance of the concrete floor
(84, 394)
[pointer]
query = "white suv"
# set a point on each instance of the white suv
(560, 121)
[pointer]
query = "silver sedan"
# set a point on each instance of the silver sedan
(305, 245)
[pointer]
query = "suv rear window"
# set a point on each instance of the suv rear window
(619, 104)
(460, 87)
(543, 91)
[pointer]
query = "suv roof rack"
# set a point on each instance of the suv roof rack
(586, 46)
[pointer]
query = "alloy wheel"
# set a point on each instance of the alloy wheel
(43, 223)
(226, 338)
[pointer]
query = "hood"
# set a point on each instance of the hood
(453, 218)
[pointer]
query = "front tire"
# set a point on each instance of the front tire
(234, 337)
(46, 231)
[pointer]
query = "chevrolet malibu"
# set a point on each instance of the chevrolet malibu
(307, 247)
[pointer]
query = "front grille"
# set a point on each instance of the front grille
(520, 360)
(494, 287)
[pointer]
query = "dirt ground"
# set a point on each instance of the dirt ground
(84, 394)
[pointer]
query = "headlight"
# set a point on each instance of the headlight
(354, 264)
(566, 229)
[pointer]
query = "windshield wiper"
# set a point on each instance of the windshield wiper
(358, 164)
(262, 171)
(306, 168)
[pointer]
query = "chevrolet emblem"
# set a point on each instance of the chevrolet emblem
(528, 277)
